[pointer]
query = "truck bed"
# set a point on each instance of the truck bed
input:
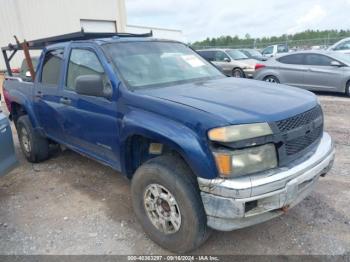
(17, 90)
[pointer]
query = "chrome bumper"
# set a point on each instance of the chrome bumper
(240, 202)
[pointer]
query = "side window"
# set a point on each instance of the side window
(52, 67)
(85, 62)
(292, 59)
(282, 49)
(220, 56)
(317, 60)
(268, 50)
(208, 55)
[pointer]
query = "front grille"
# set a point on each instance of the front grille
(300, 143)
(298, 134)
(299, 120)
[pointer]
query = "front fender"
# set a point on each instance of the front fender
(192, 147)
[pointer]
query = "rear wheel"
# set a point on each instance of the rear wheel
(272, 79)
(237, 72)
(168, 205)
(347, 89)
(34, 147)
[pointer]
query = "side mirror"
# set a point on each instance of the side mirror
(226, 59)
(336, 63)
(90, 85)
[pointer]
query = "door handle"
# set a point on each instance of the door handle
(65, 101)
(39, 94)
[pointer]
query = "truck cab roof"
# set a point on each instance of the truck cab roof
(108, 40)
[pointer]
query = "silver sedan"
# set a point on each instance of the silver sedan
(312, 70)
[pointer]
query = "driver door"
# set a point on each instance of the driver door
(222, 60)
(90, 122)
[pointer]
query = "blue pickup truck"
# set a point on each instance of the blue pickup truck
(203, 151)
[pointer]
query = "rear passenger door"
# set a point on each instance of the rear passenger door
(292, 70)
(47, 93)
(321, 75)
(90, 122)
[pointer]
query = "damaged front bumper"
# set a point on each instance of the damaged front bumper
(244, 201)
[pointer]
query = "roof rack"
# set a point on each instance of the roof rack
(81, 35)
(43, 42)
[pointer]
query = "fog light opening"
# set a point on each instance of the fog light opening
(250, 205)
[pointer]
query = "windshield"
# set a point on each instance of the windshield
(143, 64)
(253, 52)
(236, 54)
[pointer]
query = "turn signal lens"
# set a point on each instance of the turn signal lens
(224, 164)
(246, 161)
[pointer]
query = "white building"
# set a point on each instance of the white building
(34, 19)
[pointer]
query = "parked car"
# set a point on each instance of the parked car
(253, 54)
(274, 50)
(312, 70)
(8, 159)
(202, 150)
(232, 62)
(343, 46)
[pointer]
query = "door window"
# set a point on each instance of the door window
(220, 56)
(317, 60)
(268, 50)
(208, 55)
(282, 49)
(85, 62)
(52, 67)
(296, 59)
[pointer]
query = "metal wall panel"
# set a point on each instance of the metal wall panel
(33, 19)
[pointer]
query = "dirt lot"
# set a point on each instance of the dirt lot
(73, 205)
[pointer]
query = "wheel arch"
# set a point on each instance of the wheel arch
(142, 129)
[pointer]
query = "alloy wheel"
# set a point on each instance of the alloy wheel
(162, 209)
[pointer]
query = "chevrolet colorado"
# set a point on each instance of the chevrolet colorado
(203, 151)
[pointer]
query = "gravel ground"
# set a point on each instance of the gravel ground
(73, 205)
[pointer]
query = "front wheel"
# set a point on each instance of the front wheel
(168, 205)
(272, 79)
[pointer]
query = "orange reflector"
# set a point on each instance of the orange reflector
(217, 134)
(224, 164)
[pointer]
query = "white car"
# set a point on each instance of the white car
(343, 46)
(273, 50)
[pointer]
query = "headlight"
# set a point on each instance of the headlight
(239, 132)
(246, 161)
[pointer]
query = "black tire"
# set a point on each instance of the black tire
(238, 73)
(34, 146)
(347, 89)
(174, 175)
(272, 79)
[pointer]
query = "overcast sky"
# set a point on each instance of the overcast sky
(199, 19)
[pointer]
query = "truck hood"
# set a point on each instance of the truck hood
(238, 101)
